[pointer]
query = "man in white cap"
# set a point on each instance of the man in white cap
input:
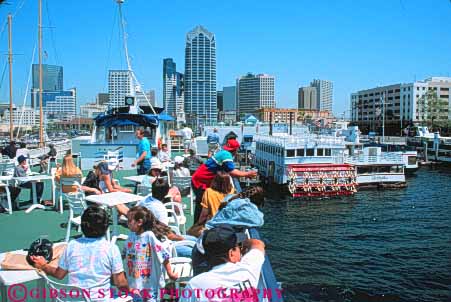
(179, 169)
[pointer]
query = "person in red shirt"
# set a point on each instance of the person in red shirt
(220, 161)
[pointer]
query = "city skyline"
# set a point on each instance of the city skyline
(356, 47)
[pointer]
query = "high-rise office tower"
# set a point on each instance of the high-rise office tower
(307, 98)
(255, 92)
(52, 80)
(200, 76)
(173, 98)
(229, 98)
(324, 90)
(120, 84)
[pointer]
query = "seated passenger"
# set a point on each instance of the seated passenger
(145, 255)
(163, 155)
(91, 262)
(106, 182)
(235, 263)
(22, 170)
(91, 183)
(152, 202)
(221, 186)
(179, 169)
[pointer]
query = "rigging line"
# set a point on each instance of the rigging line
(26, 91)
(51, 32)
(124, 35)
(109, 51)
(19, 7)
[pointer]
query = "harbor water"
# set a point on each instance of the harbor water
(380, 245)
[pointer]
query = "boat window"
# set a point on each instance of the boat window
(327, 152)
(126, 128)
(291, 153)
(412, 160)
(300, 152)
(395, 169)
(310, 152)
(363, 170)
(320, 152)
(384, 169)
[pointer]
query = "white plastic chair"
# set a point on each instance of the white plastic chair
(183, 183)
(79, 294)
(6, 194)
(175, 244)
(66, 181)
(76, 207)
(176, 215)
(183, 267)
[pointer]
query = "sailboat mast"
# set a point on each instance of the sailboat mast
(10, 61)
(41, 127)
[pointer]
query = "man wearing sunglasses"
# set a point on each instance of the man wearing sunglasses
(236, 266)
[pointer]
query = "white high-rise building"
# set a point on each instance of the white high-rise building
(200, 77)
(324, 94)
(63, 106)
(91, 110)
(401, 103)
(120, 85)
(255, 92)
(24, 116)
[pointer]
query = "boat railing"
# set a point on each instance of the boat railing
(267, 281)
(385, 158)
(295, 141)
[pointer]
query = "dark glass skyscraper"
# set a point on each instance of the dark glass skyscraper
(169, 86)
(52, 80)
(200, 77)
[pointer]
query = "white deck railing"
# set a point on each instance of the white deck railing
(289, 141)
(386, 158)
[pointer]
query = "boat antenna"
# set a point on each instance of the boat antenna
(127, 57)
(41, 113)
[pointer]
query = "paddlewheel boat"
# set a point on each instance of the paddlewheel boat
(319, 180)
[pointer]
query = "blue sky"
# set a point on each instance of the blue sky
(355, 44)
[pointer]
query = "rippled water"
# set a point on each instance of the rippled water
(392, 245)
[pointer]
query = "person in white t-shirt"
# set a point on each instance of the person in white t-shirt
(90, 262)
(187, 135)
(232, 276)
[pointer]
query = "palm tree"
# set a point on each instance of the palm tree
(431, 107)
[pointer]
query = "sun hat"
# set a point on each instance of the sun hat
(155, 166)
(231, 145)
(179, 159)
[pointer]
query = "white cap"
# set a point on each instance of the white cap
(178, 159)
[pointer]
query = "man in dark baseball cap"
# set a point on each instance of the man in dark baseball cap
(219, 241)
(235, 262)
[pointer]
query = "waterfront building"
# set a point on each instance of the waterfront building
(307, 98)
(61, 104)
(254, 92)
(120, 85)
(220, 99)
(173, 96)
(141, 100)
(91, 110)
(229, 98)
(402, 103)
(24, 116)
(102, 98)
(52, 80)
(200, 77)
(324, 94)
(282, 115)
